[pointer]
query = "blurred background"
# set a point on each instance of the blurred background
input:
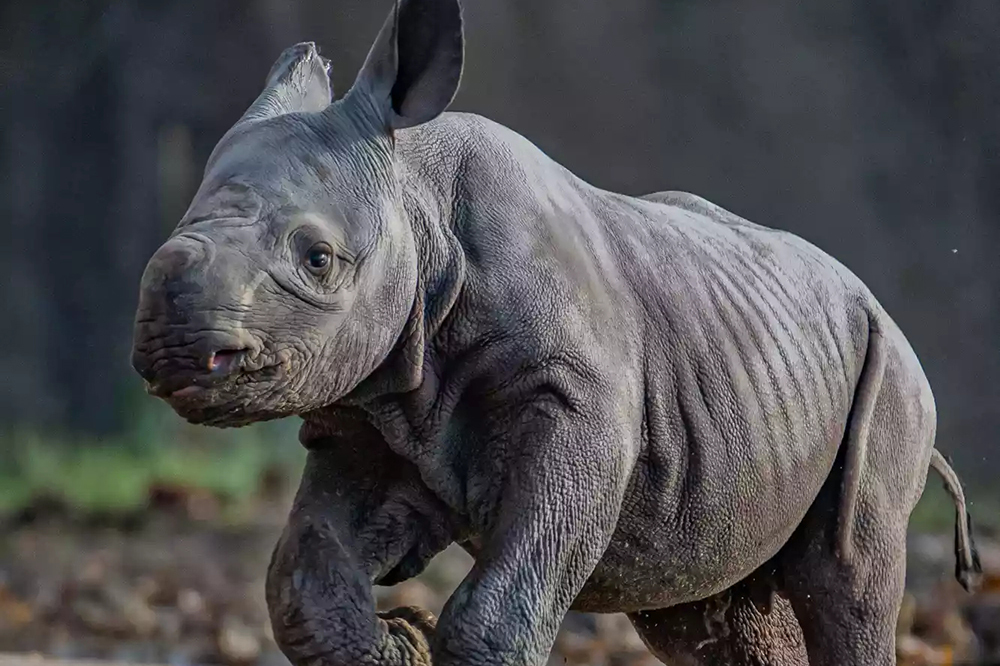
(869, 127)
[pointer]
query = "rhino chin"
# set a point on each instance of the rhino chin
(210, 406)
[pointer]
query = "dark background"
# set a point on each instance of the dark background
(869, 127)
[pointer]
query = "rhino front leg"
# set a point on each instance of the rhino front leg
(322, 608)
(361, 515)
(563, 487)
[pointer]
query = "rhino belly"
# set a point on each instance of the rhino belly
(694, 526)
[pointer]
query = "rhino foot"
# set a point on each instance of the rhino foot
(412, 626)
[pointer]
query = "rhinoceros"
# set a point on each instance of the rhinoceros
(645, 405)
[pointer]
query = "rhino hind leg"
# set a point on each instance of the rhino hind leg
(847, 600)
(847, 610)
(731, 627)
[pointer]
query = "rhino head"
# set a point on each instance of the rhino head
(293, 273)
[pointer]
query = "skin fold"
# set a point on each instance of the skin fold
(626, 404)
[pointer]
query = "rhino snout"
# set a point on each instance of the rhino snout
(187, 333)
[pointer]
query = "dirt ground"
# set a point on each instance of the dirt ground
(182, 583)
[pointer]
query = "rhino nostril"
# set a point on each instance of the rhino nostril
(225, 361)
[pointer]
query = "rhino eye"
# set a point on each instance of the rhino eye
(319, 258)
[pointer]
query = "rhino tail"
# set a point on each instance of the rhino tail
(968, 569)
(856, 441)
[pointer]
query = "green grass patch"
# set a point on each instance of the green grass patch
(114, 474)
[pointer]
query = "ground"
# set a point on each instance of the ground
(181, 582)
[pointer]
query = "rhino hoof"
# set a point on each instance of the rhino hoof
(415, 626)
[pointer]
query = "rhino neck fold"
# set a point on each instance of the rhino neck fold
(430, 212)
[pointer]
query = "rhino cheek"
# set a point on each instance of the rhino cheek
(248, 294)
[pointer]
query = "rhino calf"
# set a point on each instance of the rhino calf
(618, 404)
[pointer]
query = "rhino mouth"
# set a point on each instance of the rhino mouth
(185, 389)
(207, 376)
(222, 366)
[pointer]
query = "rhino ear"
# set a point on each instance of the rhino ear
(298, 81)
(413, 70)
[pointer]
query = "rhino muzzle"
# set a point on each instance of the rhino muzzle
(188, 335)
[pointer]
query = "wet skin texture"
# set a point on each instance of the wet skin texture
(636, 404)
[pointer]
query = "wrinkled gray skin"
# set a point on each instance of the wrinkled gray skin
(647, 405)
